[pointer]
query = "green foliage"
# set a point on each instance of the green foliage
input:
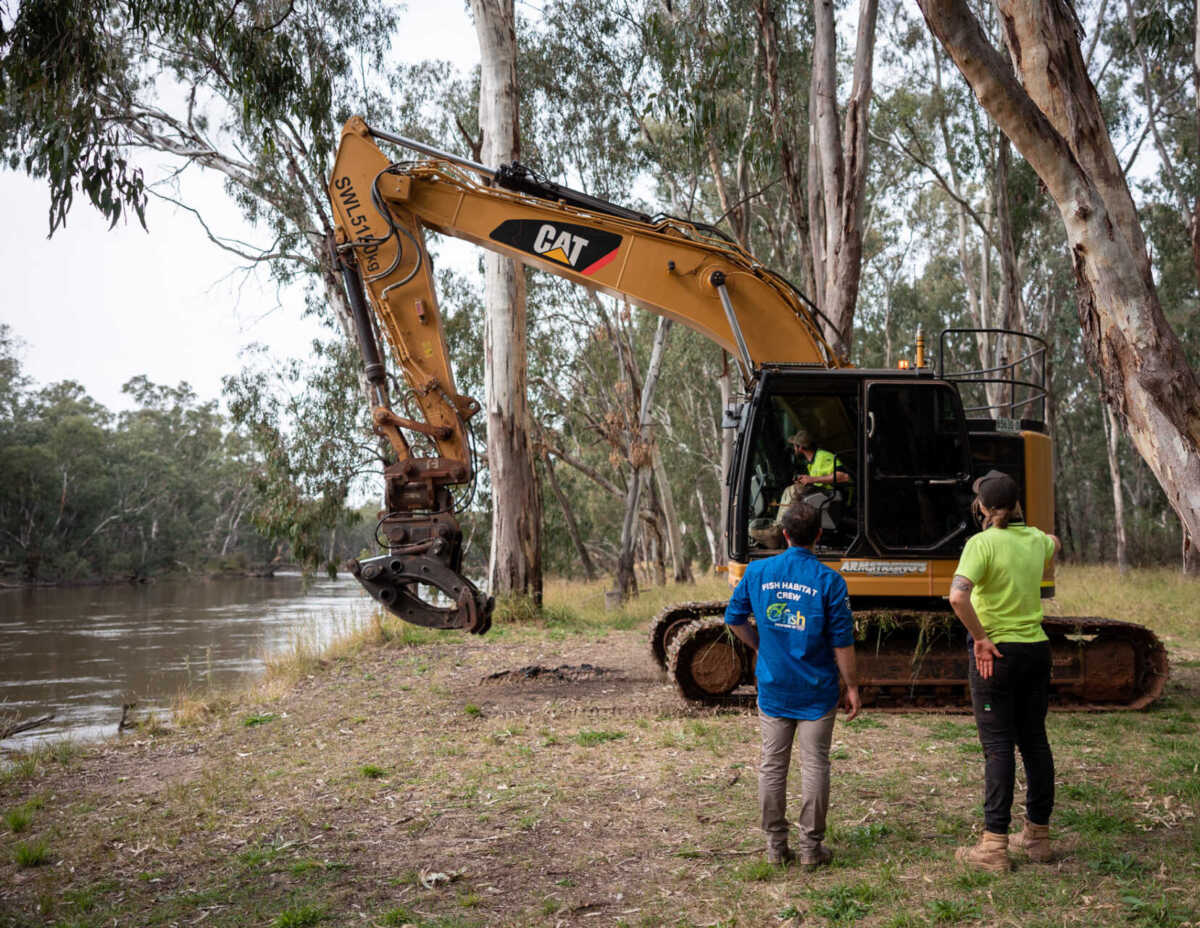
(72, 71)
(306, 422)
(253, 721)
(952, 911)
(757, 871)
(372, 771)
(18, 819)
(166, 485)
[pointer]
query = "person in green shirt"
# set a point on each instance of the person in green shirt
(996, 594)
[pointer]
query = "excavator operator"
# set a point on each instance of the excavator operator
(819, 472)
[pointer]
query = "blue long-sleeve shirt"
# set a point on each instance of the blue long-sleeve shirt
(802, 610)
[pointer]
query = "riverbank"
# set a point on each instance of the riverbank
(394, 779)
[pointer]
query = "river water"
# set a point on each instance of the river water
(81, 652)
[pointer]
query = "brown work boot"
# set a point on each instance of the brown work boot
(817, 857)
(780, 855)
(1034, 840)
(991, 853)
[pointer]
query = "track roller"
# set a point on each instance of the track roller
(707, 661)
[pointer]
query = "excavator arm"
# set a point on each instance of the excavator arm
(685, 271)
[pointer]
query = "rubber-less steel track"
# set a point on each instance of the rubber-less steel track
(917, 661)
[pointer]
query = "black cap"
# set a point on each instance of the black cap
(996, 490)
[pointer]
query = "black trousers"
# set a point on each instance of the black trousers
(1010, 711)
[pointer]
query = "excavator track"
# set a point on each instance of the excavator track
(910, 661)
(672, 620)
(708, 662)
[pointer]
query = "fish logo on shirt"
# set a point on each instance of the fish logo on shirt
(778, 614)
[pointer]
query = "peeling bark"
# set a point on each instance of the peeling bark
(1053, 118)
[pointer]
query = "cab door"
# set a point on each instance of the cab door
(918, 468)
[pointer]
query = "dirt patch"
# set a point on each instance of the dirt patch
(564, 673)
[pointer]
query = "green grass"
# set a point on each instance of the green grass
(472, 710)
(299, 917)
(865, 723)
(946, 730)
(952, 911)
(18, 819)
(865, 835)
(843, 904)
(253, 721)
(372, 772)
(1089, 821)
(1123, 864)
(757, 871)
(589, 739)
(670, 795)
(1161, 598)
(31, 854)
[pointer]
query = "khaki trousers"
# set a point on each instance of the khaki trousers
(813, 739)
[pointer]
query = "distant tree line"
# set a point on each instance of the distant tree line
(167, 486)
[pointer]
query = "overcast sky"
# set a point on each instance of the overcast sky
(100, 306)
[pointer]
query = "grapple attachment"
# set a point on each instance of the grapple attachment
(399, 583)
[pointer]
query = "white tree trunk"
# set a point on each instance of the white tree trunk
(679, 564)
(515, 564)
(842, 164)
(725, 384)
(640, 455)
(1111, 434)
(714, 545)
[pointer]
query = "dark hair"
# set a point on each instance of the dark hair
(998, 516)
(802, 523)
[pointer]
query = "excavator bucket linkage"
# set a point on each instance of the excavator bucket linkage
(420, 579)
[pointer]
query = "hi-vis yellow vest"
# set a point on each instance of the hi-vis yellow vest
(823, 463)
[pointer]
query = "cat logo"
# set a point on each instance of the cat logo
(579, 248)
(561, 246)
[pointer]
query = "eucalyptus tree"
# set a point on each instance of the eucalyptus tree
(515, 564)
(1053, 116)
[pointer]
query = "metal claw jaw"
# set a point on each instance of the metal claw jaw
(395, 581)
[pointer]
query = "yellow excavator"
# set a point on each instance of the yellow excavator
(898, 447)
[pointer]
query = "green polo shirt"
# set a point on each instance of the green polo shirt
(1006, 566)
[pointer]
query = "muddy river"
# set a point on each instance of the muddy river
(80, 653)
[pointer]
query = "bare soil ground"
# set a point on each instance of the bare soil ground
(399, 785)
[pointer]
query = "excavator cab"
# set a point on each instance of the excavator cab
(896, 448)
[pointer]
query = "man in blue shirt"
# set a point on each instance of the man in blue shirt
(804, 637)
